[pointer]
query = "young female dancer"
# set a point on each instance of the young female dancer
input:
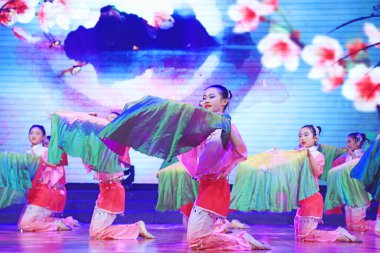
(367, 171)
(343, 190)
(177, 190)
(355, 142)
(211, 163)
(108, 169)
(110, 203)
(310, 210)
(48, 193)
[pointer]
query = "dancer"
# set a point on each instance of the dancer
(177, 190)
(343, 190)
(367, 171)
(76, 134)
(111, 202)
(355, 142)
(211, 164)
(309, 214)
(48, 193)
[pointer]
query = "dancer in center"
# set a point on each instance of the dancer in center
(211, 164)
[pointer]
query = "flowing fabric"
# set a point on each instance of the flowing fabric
(16, 173)
(367, 171)
(175, 187)
(76, 134)
(330, 153)
(274, 181)
(162, 128)
(344, 190)
(211, 158)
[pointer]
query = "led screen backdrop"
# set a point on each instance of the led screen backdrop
(283, 61)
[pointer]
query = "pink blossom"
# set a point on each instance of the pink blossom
(334, 78)
(47, 15)
(354, 46)
(27, 11)
(373, 33)
(363, 87)
(278, 49)
(272, 3)
(247, 14)
(322, 54)
(22, 11)
(8, 18)
(61, 13)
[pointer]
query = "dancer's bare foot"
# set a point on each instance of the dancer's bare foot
(255, 243)
(238, 224)
(62, 226)
(70, 221)
(227, 230)
(144, 232)
(345, 236)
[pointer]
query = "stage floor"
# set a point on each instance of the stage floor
(170, 238)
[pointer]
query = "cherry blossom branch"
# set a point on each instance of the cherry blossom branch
(2, 8)
(353, 21)
(377, 65)
(357, 51)
(286, 20)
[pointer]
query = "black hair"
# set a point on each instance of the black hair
(223, 91)
(39, 127)
(113, 112)
(359, 137)
(315, 130)
(107, 8)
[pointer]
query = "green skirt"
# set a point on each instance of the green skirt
(76, 134)
(175, 188)
(330, 153)
(273, 181)
(367, 171)
(344, 190)
(16, 174)
(162, 128)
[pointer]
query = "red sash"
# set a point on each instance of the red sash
(311, 206)
(44, 195)
(111, 196)
(214, 195)
(58, 199)
(186, 209)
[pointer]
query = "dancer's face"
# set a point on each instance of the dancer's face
(36, 136)
(352, 144)
(213, 100)
(306, 138)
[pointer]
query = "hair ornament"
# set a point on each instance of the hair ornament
(316, 130)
